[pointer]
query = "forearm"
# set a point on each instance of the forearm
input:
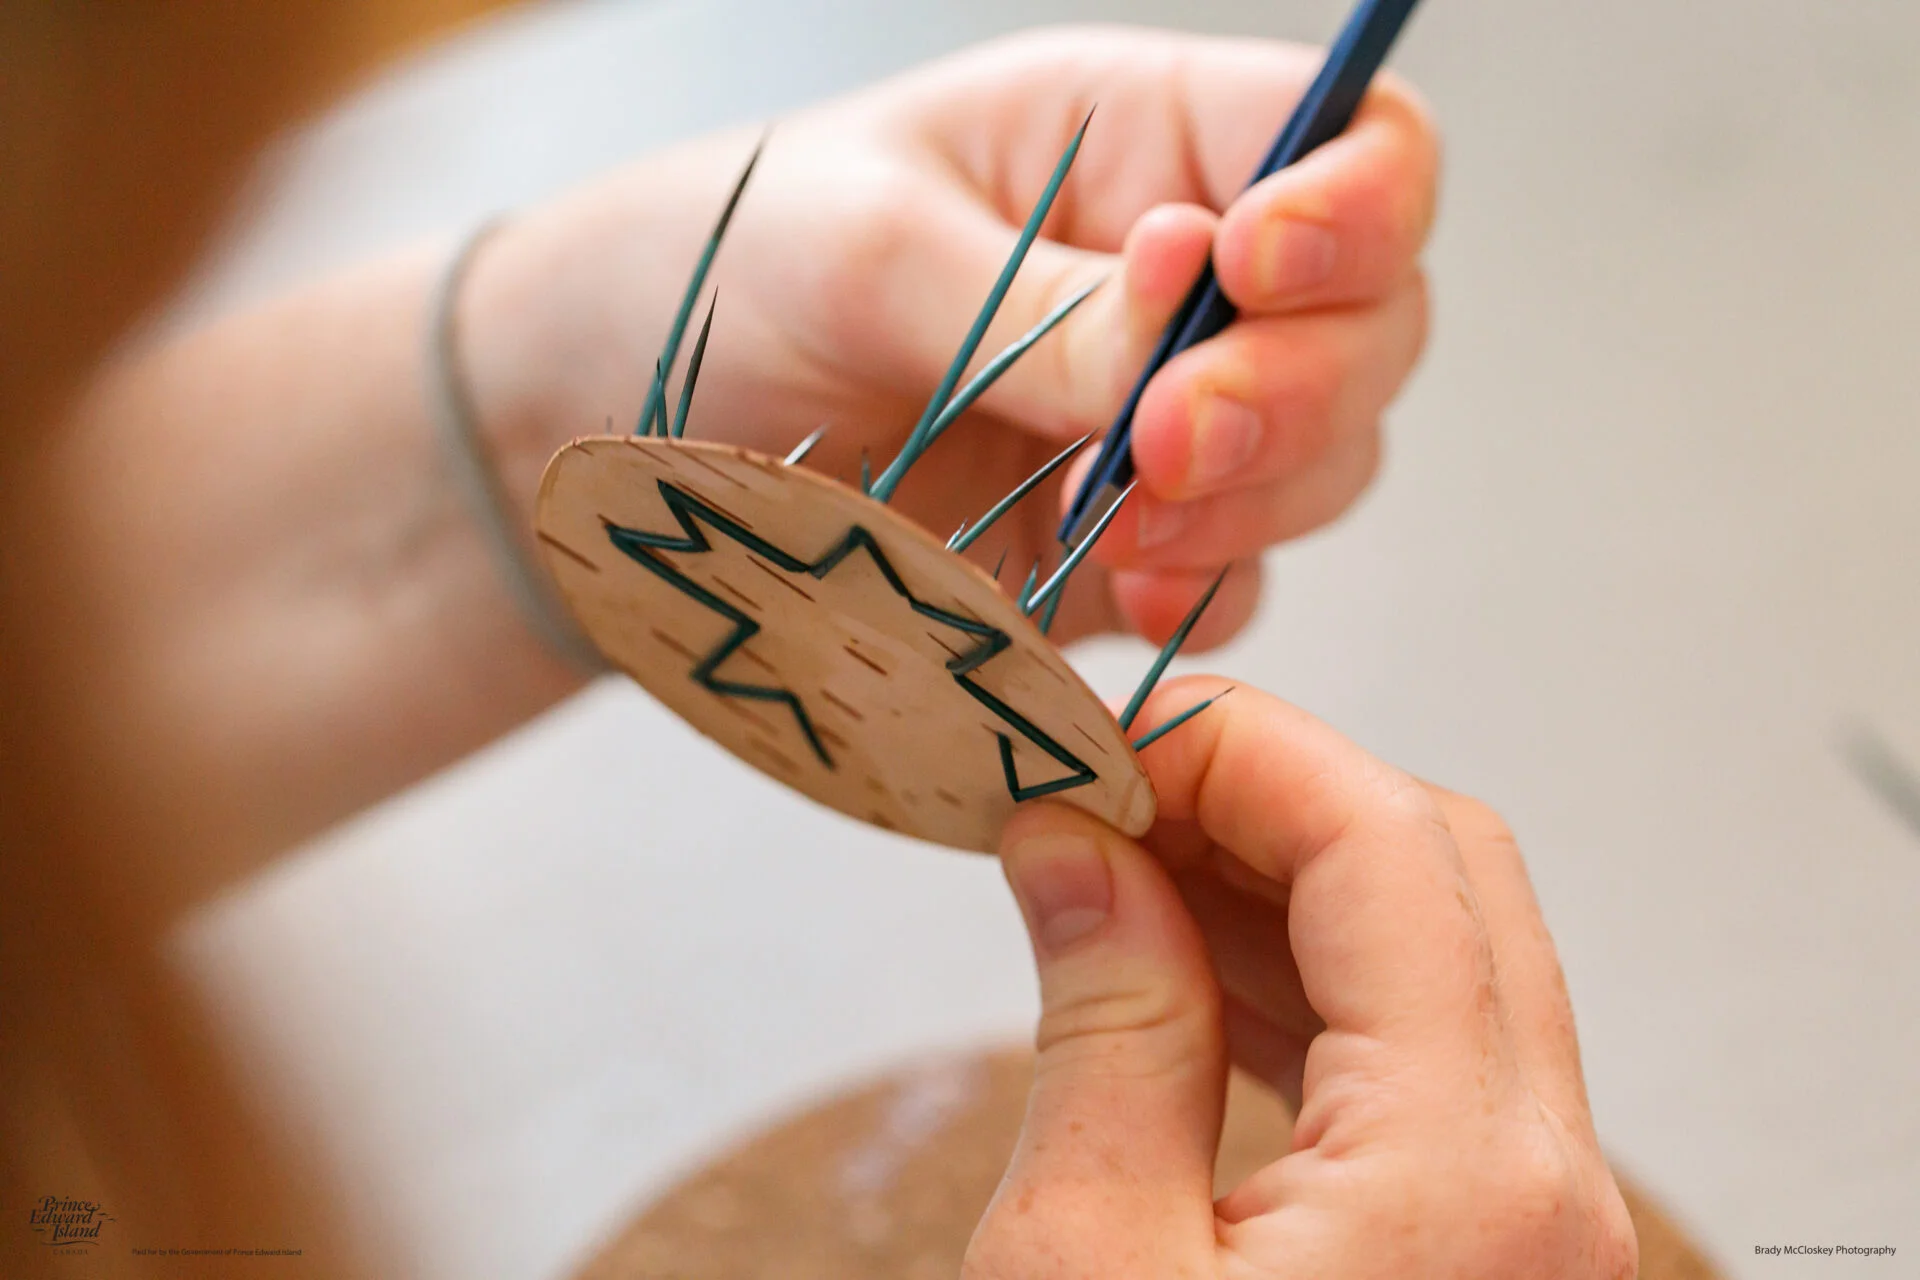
(296, 611)
(302, 613)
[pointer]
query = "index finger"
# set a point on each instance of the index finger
(1386, 930)
(1345, 225)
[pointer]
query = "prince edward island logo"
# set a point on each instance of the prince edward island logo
(68, 1224)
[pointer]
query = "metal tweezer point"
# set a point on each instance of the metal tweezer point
(1093, 511)
(1323, 114)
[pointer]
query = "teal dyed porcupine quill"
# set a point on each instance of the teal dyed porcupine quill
(919, 438)
(977, 387)
(1053, 607)
(693, 369)
(1148, 739)
(655, 407)
(1025, 487)
(1026, 592)
(659, 411)
(805, 447)
(1001, 565)
(1058, 581)
(956, 535)
(1172, 647)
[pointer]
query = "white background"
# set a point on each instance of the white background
(1644, 546)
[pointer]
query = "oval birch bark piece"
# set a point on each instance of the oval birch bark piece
(827, 640)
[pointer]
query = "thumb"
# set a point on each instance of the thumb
(1075, 380)
(1115, 1161)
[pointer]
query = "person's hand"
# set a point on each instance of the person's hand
(876, 225)
(1345, 932)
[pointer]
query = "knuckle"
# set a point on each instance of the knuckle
(1052, 37)
(1394, 92)
(1396, 797)
(1358, 465)
(1419, 292)
(1477, 820)
(1540, 1185)
(1321, 385)
(1563, 1214)
(1308, 402)
(1137, 1030)
(1616, 1241)
(1077, 41)
(1420, 140)
(1369, 450)
(1414, 213)
(875, 233)
(1350, 468)
(1031, 1219)
(1527, 1205)
(1043, 49)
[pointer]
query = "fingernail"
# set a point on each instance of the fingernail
(1065, 885)
(1225, 435)
(1295, 256)
(1161, 523)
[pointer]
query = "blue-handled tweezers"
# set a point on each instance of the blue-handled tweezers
(1323, 114)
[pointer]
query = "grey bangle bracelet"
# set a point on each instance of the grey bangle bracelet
(452, 408)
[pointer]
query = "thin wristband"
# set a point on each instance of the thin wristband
(452, 408)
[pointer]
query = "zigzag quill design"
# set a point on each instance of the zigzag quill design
(689, 512)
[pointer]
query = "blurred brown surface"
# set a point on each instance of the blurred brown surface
(887, 1182)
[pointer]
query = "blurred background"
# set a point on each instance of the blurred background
(1640, 570)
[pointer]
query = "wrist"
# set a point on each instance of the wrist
(563, 312)
(469, 462)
